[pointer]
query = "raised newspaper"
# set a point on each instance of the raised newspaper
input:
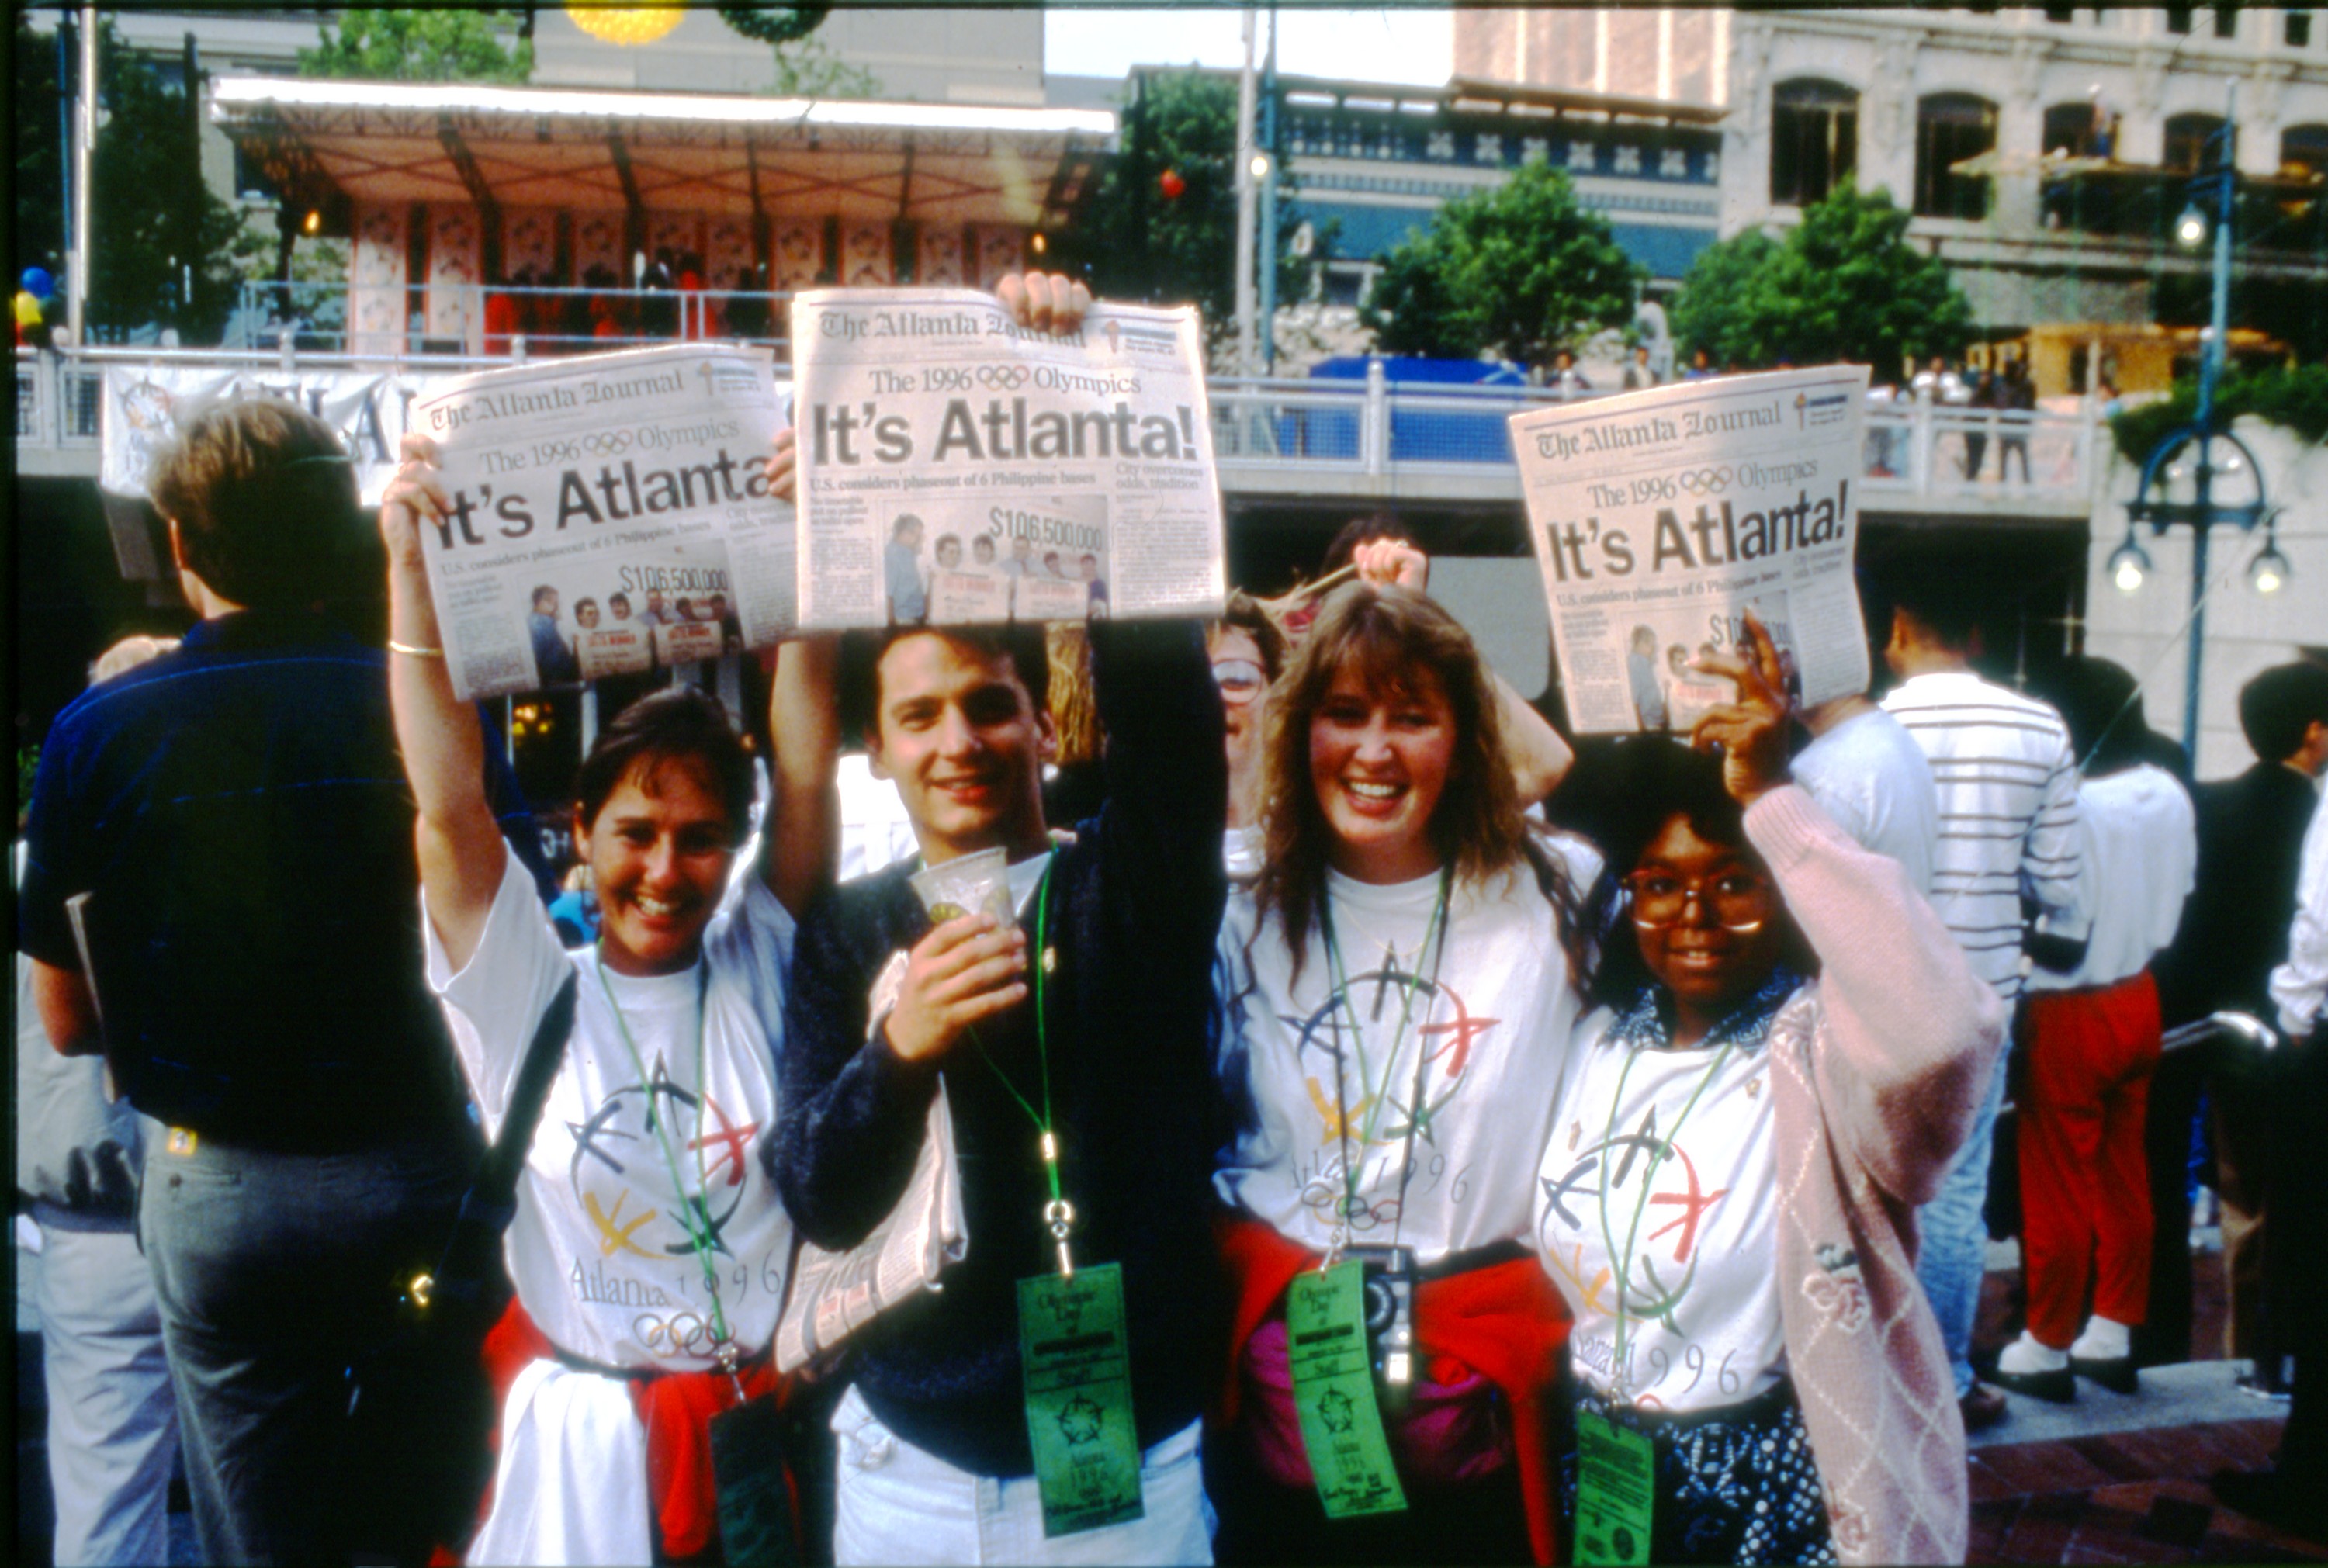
(610, 514)
(957, 467)
(1660, 518)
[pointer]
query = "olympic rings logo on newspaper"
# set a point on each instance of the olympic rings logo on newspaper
(607, 442)
(683, 1335)
(1002, 378)
(1705, 481)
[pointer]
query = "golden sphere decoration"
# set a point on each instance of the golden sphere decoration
(625, 25)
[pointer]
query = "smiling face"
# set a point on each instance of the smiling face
(1379, 759)
(1708, 967)
(659, 852)
(966, 745)
(586, 614)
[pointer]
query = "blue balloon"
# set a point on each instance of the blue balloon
(37, 282)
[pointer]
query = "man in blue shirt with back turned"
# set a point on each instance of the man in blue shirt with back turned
(235, 813)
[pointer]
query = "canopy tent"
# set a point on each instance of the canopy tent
(450, 185)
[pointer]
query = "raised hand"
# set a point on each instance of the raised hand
(1045, 301)
(1393, 562)
(1752, 732)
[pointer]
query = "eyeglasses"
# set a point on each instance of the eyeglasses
(1739, 900)
(1240, 680)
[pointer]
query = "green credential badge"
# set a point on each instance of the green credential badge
(1078, 1372)
(1616, 1482)
(1334, 1390)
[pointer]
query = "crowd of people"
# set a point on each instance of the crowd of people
(1381, 1133)
(674, 297)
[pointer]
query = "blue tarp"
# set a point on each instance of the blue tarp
(1416, 434)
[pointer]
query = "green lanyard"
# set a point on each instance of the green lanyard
(1058, 1214)
(1655, 1157)
(1435, 925)
(697, 1224)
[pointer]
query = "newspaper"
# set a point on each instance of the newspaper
(956, 467)
(834, 1294)
(609, 515)
(1661, 517)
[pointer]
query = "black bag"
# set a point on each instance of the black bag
(429, 1374)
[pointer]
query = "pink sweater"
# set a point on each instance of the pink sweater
(1878, 1067)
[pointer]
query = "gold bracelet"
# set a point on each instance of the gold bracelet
(395, 647)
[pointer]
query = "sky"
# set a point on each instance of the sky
(1414, 47)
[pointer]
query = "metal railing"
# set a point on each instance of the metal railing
(1339, 434)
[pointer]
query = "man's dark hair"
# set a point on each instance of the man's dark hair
(897, 529)
(539, 593)
(582, 604)
(1244, 612)
(2101, 702)
(679, 726)
(861, 665)
(264, 500)
(2277, 705)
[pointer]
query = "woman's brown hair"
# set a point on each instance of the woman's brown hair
(1388, 636)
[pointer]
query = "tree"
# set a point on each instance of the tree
(1144, 236)
(1845, 286)
(162, 242)
(1518, 271)
(809, 68)
(402, 44)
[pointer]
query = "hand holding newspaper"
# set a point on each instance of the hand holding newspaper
(608, 514)
(1661, 517)
(957, 467)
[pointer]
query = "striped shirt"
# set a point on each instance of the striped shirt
(2008, 790)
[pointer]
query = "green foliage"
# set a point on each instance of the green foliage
(28, 768)
(1845, 285)
(809, 68)
(1519, 272)
(40, 156)
(2292, 397)
(156, 223)
(777, 25)
(402, 44)
(1134, 242)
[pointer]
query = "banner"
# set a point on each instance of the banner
(1660, 518)
(608, 513)
(956, 467)
(143, 403)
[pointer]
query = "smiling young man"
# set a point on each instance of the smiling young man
(1080, 1028)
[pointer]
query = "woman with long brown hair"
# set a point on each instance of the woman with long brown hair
(1398, 996)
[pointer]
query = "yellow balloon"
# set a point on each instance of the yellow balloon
(625, 25)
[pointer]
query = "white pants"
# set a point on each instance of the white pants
(113, 1419)
(899, 1504)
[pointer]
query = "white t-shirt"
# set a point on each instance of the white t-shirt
(1488, 1031)
(1701, 1288)
(1871, 777)
(598, 1260)
(2139, 839)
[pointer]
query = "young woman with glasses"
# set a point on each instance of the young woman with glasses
(1790, 1050)
(1399, 993)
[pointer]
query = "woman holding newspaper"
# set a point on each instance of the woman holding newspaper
(1791, 1051)
(1399, 995)
(650, 1249)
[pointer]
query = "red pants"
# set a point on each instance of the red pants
(2085, 1187)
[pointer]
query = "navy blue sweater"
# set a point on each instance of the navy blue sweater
(1135, 910)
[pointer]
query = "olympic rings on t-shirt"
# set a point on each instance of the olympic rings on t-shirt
(682, 1335)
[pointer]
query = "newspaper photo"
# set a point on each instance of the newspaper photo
(956, 467)
(610, 514)
(1660, 518)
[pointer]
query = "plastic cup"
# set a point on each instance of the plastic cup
(967, 885)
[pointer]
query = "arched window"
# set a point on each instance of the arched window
(2081, 128)
(1951, 126)
(1814, 139)
(2187, 137)
(2303, 150)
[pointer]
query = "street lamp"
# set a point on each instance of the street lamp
(2200, 453)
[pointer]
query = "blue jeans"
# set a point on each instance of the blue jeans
(274, 1273)
(1953, 1231)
